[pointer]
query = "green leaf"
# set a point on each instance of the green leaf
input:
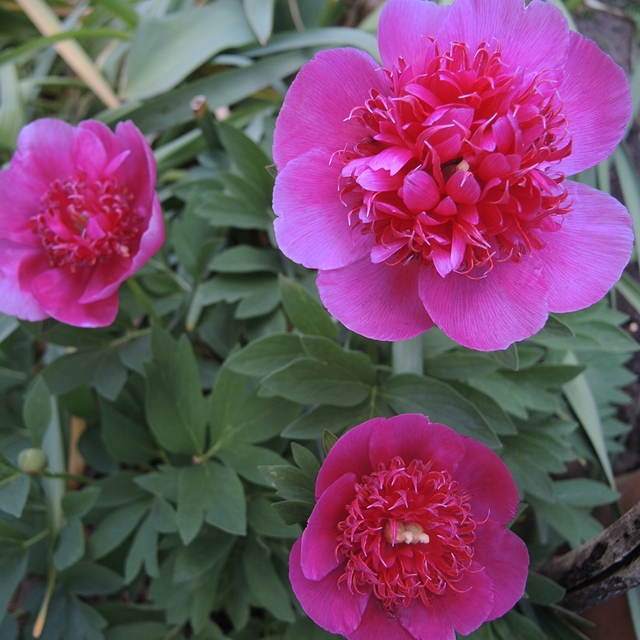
(70, 547)
(630, 185)
(90, 579)
(175, 406)
(265, 355)
(180, 43)
(305, 460)
(79, 503)
(583, 492)
(14, 490)
(245, 259)
(115, 528)
(328, 440)
(36, 411)
(508, 358)
(137, 630)
(13, 567)
(143, 551)
(209, 548)
(311, 425)
(410, 393)
(291, 483)
(542, 590)
(293, 511)
(245, 459)
(226, 398)
(259, 303)
(264, 583)
(460, 365)
(248, 157)
(221, 210)
(547, 375)
(260, 16)
(234, 287)
(307, 315)
(515, 625)
(492, 412)
(164, 483)
(125, 438)
(264, 520)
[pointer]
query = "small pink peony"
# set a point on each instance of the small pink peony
(407, 539)
(432, 190)
(78, 216)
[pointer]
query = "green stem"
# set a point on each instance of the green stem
(141, 297)
(407, 356)
(39, 536)
(44, 607)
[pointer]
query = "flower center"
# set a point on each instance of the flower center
(409, 534)
(81, 222)
(458, 167)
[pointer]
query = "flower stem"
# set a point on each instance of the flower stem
(407, 356)
(141, 297)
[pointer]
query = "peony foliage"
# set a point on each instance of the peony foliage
(201, 438)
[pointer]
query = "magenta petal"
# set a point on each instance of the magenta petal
(595, 126)
(414, 437)
(377, 623)
(318, 552)
(506, 562)
(58, 291)
(90, 153)
(313, 225)
(152, 239)
(376, 300)
(317, 106)
(586, 256)
(16, 300)
(329, 605)
(493, 493)
(105, 279)
(488, 314)
(534, 38)
(349, 454)
(463, 610)
(404, 30)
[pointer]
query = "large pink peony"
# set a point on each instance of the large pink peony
(78, 216)
(433, 191)
(407, 539)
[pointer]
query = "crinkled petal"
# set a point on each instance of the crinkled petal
(463, 610)
(349, 454)
(17, 300)
(596, 124)
(535, 38)
(376, 300)
(317, 106)
(493, 493)
(488, 314)
(506, 563)
(320, 539)
(58, 291)
(378, 623)
(586, 256)
(312, 227)
(414, 437)
(329, 605)
(404, 30)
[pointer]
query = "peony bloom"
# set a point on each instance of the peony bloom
(407, 539)
(433, 191)
(78, 216)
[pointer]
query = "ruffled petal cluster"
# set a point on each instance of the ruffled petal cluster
(432, 190)
(407, 540)
(78, 216)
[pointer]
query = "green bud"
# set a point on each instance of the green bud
(33, 461)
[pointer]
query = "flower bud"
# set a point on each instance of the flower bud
(33, 461)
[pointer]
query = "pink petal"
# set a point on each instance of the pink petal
(597, 125)
(330, 606)
(106, 279)
(404, 30)
(349, 454)
(58, 291)
(586, 256)
(414, 437)
(489, 483)
(488, 314)
(317, 106)
(376, 300)
(16, 300)
(377, 623)
(152, 239)
(90, 154)
(420, 192)
(320, 539)
(506, 563)
(534, 38)
(463, 611)
(313, 225)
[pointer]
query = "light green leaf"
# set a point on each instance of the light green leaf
(260, 16)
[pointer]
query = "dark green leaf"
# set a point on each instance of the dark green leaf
(265, 355)
(36, 411)
(328, 440)
(210, 547)
(13, 568)
(125, 439)
(293, 511)
(164, 483)
(245, 259)
(14, 490)
(307, 315)
(79, 503)
(70, 544)
(542, 590)
(583, 492)
(305, 460)
(508, 358)
(245, 459)
(311, 425)
(143, 550)
(291, 483)
(264, 520)
(89, 579)
(226, 398)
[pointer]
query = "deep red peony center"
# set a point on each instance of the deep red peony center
(458, 169)
(408, 535)
(81, 222)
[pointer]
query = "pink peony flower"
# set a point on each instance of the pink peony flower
(78, 216)
(432, 190)
(407, 539)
